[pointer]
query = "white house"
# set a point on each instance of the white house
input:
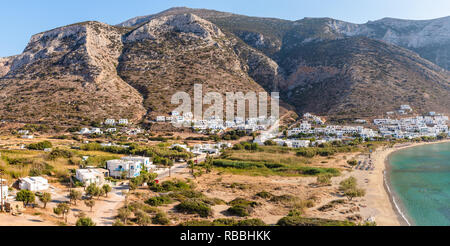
(130, 169)
(24, 132)
(85, 131)
(123, 122)
(27, 136)
(160, 119)
(110, 122)
(96, 131)
(144, 160)
(90, 176)
(405, 107)
(131, 165)
(34, 184)
(300, 143)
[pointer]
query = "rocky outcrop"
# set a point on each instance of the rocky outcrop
(191, 26)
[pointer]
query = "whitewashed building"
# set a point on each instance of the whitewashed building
(34, 184)
(123, 122)
(130, 165)
(91, 176)
(110, 122)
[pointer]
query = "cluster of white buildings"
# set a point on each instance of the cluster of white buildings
(99, 131)
(114, 145)
(333, 130)
(314, 118)
(218, 125)
(199, 149)
(87, 131)
(113, 122)
(412, 127)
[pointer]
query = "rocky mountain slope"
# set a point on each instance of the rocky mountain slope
(69, 74)
(91, 71)
(358, 76)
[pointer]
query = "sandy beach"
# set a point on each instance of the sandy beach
(378, 199)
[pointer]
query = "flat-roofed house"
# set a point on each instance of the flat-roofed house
(110, 122)
(90, 176)
(34, 184)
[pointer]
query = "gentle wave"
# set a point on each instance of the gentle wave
(397, 207)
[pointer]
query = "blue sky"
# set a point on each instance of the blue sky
(20, 19)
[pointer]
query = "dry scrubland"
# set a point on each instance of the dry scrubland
(267, 185)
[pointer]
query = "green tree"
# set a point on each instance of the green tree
(347, 184)
(208, 164)
(352, 163)
(25, 196)
(74, 196)
(107, 189)
(324, 179)
(355, 192)
(45, 198)
(40, 146)
(191, 165)
(62, 209)
(89, 203)
(85, 221)
(92, 190)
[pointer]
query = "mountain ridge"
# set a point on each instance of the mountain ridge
(95, 71)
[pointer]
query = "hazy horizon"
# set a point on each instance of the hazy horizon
(22, 19)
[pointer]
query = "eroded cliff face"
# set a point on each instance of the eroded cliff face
(69, 74)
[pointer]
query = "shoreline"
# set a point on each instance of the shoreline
(380, 199)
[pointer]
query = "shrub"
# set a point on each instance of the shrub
(159, 200)
(167, 186)
(324, 179)
(241, 207)
(85, 221)
(225, 222)
(264, 194)
(195, 206)
(240, 210)
(160, 219)
(40, 146)
(348, 184)
(59, 153)
(300, 221)
(306, 152)
(352, 163)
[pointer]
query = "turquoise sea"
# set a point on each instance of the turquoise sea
(420, 180)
